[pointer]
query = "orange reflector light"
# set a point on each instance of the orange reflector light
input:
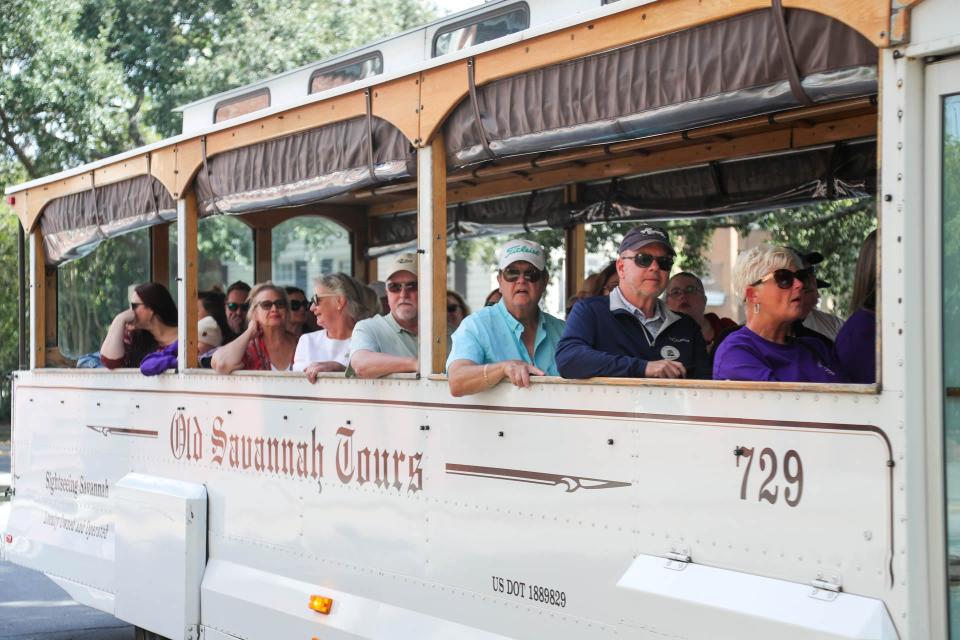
(9, 539)
(11, 200)
(321, 604)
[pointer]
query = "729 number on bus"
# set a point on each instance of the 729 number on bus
(769, 489)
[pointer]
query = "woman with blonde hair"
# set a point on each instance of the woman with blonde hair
(770, 281)
(856, 344)
(266, 344)
(339, 302)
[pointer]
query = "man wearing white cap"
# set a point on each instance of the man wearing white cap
(512, 339)
(388, 344)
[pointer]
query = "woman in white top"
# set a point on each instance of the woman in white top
(340, 301)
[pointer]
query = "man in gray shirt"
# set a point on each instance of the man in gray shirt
(388, 344)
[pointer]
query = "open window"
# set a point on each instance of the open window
(483, 28)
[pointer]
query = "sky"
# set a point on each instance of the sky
(452, 6)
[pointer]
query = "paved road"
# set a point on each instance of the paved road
(34, 608)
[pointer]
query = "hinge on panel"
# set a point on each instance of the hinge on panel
(826, 587)
(678, 558)
(8, 493)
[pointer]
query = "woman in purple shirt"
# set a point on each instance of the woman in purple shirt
(770, 281)
(856, 344)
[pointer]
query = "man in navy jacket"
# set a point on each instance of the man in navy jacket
(631, 333)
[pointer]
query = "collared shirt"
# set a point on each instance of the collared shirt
(493, 335)
(653, 324)
(383, 334)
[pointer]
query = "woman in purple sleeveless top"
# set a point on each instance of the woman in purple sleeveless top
(856, 345)
(770, 281)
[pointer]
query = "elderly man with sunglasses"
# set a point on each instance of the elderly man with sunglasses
(512, 339)
(632, 333)
(387, 344)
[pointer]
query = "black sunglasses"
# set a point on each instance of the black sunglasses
(396, 287)
(233, 306)
(452, 307)
(644, 260)
(784, 277)
(266, 305)
(530, 275)
(296, 305)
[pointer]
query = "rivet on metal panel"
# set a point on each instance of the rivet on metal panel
(609, 440)
(500, 433)
(888, 198)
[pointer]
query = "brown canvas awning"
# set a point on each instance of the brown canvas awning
(791, 178)
(304, 167)
(73, 226)
(718, 72)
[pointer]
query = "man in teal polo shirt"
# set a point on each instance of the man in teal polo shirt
(512, 339)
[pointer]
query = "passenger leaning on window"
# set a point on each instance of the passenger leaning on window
(339, 302)
(266, 345)
(148, 325)
(512, 339)
(632, 333)
(237, 307)
(771, 281)
(388, 344)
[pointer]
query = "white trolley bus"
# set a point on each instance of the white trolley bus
(258, 505)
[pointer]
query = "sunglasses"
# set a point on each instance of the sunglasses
(233, 306)
(452, 307)
(296, 305)
(397, 287)
(530, 275)
(784, 277)
(644, 260)
(134, 305)
(315, 300)
(266, 305)
(689, 290)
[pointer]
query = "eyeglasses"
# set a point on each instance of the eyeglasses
(134, 305)
(644, 260)
(784, 277)
(396, 287)
(689, 290)
(233, 306)
(296, 305)
(530, 275)
(315, 300)
(266, 305)
(452, 308)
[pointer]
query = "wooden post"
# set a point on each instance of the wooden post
(187, 279)
(160, 254)
(432, 240)
(262, 254)
(576, 238)
(38, 306)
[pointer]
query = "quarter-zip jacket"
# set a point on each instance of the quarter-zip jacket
(601, 339)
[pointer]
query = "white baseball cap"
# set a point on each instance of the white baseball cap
(402, 262)
(526, 250)
(208, 332)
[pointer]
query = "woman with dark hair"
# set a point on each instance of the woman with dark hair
(148, 325)
(213, 304)
(457, 310)
(856, 345)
